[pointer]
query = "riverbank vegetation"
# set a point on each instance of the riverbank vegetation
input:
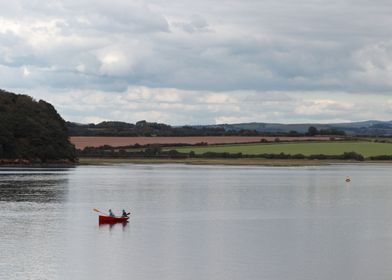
(339, 150)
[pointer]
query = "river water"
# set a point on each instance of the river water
(197, 222)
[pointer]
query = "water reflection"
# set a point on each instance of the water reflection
(112, 225)
(33, 185)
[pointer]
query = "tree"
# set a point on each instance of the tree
(312, 131)
(153, 150)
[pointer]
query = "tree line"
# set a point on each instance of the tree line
(157, 151)
(144, 128)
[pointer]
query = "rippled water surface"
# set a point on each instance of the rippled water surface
(197, 222)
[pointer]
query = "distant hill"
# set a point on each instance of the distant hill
(143, 128)
(365, 128)
(32, 130)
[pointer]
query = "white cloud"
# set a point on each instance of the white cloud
(92, 119)
(187, 108)
(323, 106)
(115, 64)
(217, 98)
(231, 119)
(26, 72)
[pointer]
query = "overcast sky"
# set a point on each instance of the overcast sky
(201, 62)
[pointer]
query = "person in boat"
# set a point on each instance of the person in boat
(111, 213)
(125, 214)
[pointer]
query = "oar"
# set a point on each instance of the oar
(96, 210)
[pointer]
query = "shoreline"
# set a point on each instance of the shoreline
(229, 162)
(39, 165)
(25, 163)
(195, 161)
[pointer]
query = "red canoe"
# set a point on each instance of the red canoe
(112, 220)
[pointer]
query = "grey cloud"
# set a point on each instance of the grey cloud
(258, 49)
(252, 45)
(118, 16)
(196, 24)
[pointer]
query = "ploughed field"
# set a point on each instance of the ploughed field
(81, 142)
(306, 148)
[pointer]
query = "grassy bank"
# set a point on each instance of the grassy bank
(364, 148)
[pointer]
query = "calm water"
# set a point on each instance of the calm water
(197, 222)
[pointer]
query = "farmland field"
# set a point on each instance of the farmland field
(306, 148)
(81, 142)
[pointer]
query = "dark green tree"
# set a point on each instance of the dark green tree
(312, 131)
(32, 130)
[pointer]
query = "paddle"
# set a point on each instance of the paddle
(96, 210)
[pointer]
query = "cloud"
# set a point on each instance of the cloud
(323, 106)
(201, 107)
(374, 65)
(195, 24)
(217, 98)
(226, 60)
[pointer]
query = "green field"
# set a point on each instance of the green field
(306, 148)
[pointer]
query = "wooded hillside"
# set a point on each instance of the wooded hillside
(32, 130)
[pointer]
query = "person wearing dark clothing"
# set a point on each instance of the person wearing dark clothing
(125, 214)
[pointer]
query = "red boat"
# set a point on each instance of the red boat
(112, 220)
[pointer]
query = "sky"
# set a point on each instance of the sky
(201, 62)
